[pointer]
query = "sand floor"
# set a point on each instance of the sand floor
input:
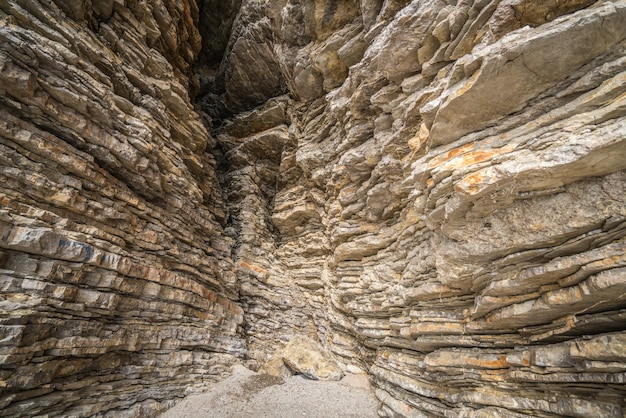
(247, 394)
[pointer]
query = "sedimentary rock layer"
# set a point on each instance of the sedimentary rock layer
(448, 206)
(116, 280)
(433, 189)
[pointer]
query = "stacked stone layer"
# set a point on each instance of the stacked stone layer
(118, 293)
(433, 189)
(449, 204)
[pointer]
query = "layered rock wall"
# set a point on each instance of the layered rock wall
(449, 203)
(117, 288)
(433, 189)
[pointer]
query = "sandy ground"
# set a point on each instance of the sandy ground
(247, 394)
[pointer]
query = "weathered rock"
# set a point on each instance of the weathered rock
(434, 190)
(306, 357)
(451, 212)
(117, 290)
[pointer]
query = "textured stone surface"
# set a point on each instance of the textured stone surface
(117, 286)
(306, 357)
(432, 189)
(448, 211)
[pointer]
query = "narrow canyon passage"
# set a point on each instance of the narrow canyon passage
(433, 191)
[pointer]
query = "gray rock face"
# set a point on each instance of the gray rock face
(434, 190)
(449, 211)
(117, 286)
(305, 357)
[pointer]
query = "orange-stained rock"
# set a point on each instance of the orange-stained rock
(433, 190)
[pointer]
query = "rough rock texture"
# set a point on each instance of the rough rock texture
(303, 356)
(117, 287)
(433, 189)
(446, 189)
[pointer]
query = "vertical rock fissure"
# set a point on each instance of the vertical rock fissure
(447, 206)
(434, 190)
(248, 151)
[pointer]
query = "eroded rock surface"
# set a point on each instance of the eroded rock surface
(435, 190)
(303, 356)
(449, 200)
(118, 291)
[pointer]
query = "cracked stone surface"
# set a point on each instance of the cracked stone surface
(433, 191)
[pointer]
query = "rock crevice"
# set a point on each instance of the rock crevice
(434, 191)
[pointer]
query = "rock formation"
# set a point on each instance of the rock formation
(434, 190)
(118, 288)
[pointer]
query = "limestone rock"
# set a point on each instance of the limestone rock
(451, 212)
(434, 190)
(306, 357)
(117, 291)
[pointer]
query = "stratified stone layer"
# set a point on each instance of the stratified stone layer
(447, 197)
(117, 289)
(435, 190)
